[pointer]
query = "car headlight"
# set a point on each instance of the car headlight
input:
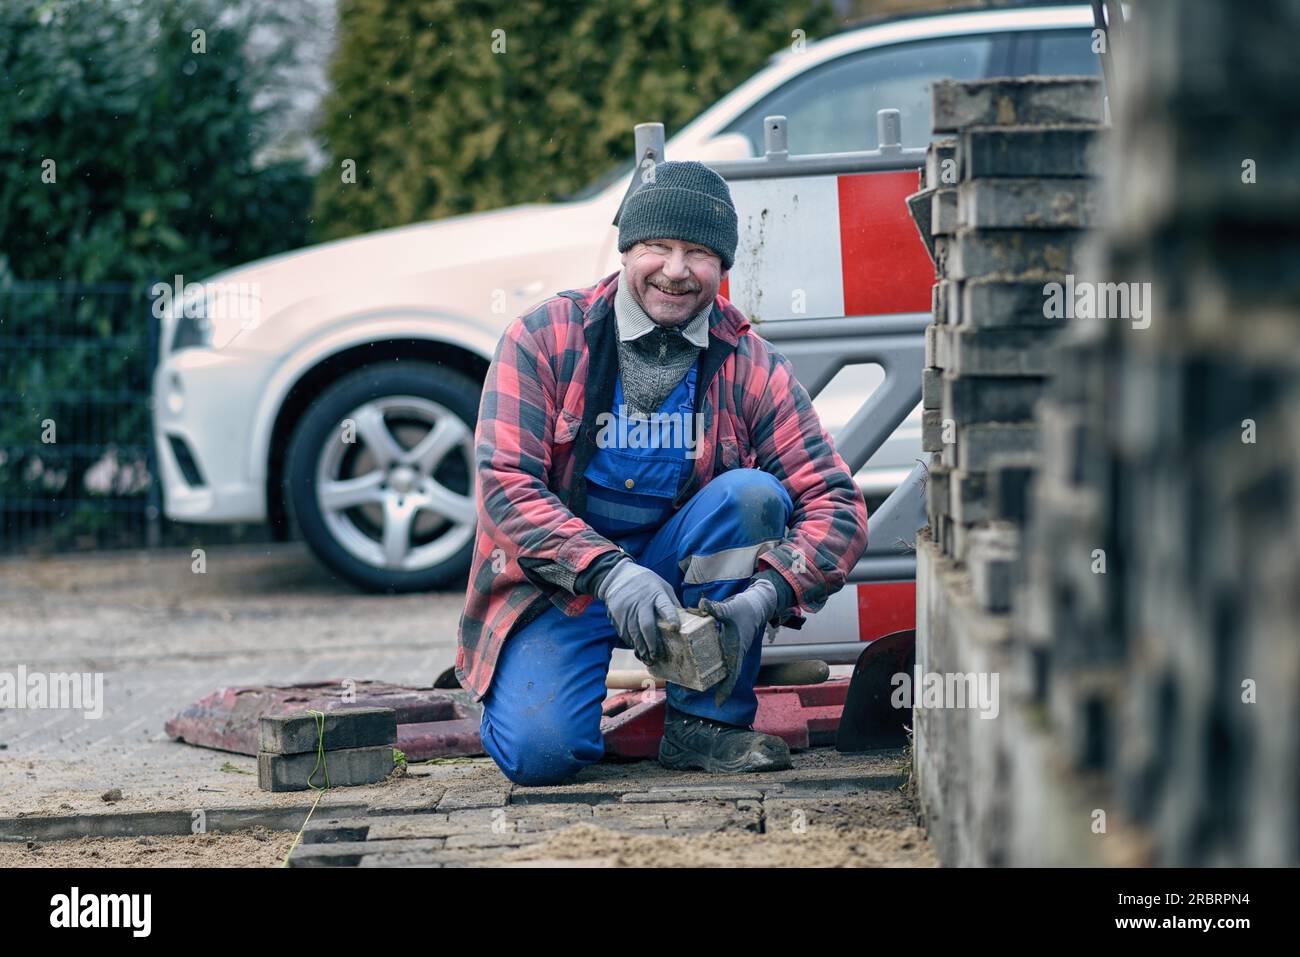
(191, 332)
(215, 314)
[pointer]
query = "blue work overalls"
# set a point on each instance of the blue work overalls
(541, 715)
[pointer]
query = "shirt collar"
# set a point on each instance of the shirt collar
(634, 322)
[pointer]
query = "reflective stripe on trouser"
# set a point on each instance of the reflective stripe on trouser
(541, 716)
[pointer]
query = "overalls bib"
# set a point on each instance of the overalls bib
(630, 491)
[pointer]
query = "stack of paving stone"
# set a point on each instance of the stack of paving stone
(1171, 453)
(358, 749)
(1151, 542)
(1009, 197)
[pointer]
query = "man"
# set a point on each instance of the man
(588, 538)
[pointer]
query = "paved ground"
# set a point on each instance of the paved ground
(829, 810)
(163, 636)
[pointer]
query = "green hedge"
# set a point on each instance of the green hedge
(154, 144)
(155, 152)
(438, 123)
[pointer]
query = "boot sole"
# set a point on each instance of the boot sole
(676, 758)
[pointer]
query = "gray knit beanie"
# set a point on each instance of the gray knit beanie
(686, 201)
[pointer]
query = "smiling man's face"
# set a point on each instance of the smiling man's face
(671, 279)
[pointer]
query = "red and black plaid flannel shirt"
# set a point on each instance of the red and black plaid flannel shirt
(552, 374)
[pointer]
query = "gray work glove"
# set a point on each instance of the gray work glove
(741, 618)
(635, 597)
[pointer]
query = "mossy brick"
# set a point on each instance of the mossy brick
(348, 767)
(346, 728)
(959, 104)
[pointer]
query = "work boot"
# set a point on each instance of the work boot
(693, 742)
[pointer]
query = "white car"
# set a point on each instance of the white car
(388, 335)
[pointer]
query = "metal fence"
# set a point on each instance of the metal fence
(76, 456)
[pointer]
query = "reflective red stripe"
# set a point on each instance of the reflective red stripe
(886, 267)
(884, 608)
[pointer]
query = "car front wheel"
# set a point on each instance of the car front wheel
(379, 476)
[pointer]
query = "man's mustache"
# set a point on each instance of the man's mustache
(676, 288)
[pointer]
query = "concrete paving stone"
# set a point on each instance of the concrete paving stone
(417, 826)
(991, 559)
(931, 389)
(574, 814)
(991, 303)
(833, 784)
(998, 352)
(970, 497)
(1012, 253)
(347, 728)
(958, 104)
(937, 494)
(691, 793)
(970, 399)
(404, 859)
(932, 430)
(476, 815)
(1009, 479)
(944, 218)
(727, 818)
(628, 816)
(943, 346)
(601, 793)
(686, 815)
(404, 800)
(918, 207)
(977, 444)
(938, 171)
(1060, 151)
(350, 854)
(346, 768)
(497, 839)
(457, 797)
(336, 830)
(787, 813)
(932, 347)
(994, 203)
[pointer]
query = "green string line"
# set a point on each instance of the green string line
(320, 792)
